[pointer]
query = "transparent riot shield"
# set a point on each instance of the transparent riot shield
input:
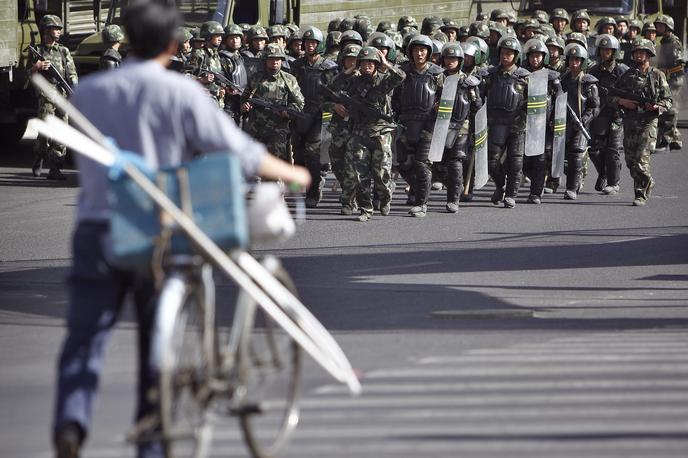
(536, 122)
(559, 138)
(480, 147)
(444, 112)
(325, 138)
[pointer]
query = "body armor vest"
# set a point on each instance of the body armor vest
(310, 77)
(234, 68)
(506, 93)
(418, 92)
(462, 103)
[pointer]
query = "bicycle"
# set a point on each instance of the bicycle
(269, 307)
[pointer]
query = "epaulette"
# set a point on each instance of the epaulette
(492, 69)
(589, 79)
(471, 80)
(520, 71)
(553, 75)
(328, 64)
(435, 69)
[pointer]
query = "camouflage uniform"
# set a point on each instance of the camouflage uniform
(370, 144)
(640, 127)
(266, 126)
(205, 60)
(670, 61)
(47, 149)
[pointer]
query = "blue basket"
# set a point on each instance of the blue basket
(210, 188)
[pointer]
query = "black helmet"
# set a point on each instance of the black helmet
(347, 24)
(312, 33)
(430, 25)
(421, 40)
(453, 50)
(352, 36)
(607, 41)
(536, 45)
(384, 26)
(333, 25)
(509, 43)
(576, 50)
(332, 39)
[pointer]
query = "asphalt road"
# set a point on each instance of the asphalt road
(558, 330)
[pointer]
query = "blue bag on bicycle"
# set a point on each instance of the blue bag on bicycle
(209, 188)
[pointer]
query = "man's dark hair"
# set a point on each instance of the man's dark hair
(151, 26)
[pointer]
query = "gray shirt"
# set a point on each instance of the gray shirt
(164, 116)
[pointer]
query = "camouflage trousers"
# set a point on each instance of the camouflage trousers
(342, 166)
(45, 149)
(667, 131)
(639, 143)
(306, 147)
(277, 143)
(372, 164)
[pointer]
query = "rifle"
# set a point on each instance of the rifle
(576, 120)
(354, 104)
(277, 108)
(632, 96)
(53, 73)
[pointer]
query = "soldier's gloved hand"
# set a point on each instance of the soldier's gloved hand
(341, 110)
(246, 107)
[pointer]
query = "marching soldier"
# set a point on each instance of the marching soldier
(340, 158)
(645, 95)
(311, 71)
(507, 96)
(59, 58)
(272, 84)
(370, 142)
(466, 103)
(233, 67)
(584, 104)
(671, 61)
(414, 101)
(206, 61)
(111, 58)
(607, 128)
(537, 57)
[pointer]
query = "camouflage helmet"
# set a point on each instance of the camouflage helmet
(440, 36)
(606, 20)
(580, 14)
(350, 50)
(312, 33)
(450, 24)
(274, 51)
(668, 21)
(421, 40)
(364, 27)
(347, 24)
(50, 20)
(497, 27)
(509, 43)
(536, 45)
(649, 26)
(381, 40)
(498, 13)
(396, 37)
(257, 32)
(233, 30)
(620, 19)
(183, 35)
(481, 16)
(407, 21)
(210, 28)
(369, 53)
(384, 26)
(541, 16)
(479, 29)
(548, 30)
(463, 32)
(512, 18)
(276, 31)
(351, 35)
(333, 25)
(607, 41)
(560, 13)
(409, 36)
(470, 49)
(557, 42)
(293, 30)
(196, 34)
(644, 45)
(430, 25)
(245, 27)
(577, 37)
(482, 47)
(436, 46)
(576, 50)
(637, 23)
(112, 34)
(453, 50)
(333, 39)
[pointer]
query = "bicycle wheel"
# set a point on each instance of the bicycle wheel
(185, 372)
(270, 365)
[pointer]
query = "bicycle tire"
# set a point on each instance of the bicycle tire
(184, 377)
(267, 424)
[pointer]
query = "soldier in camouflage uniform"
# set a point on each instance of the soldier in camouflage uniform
(607, 129)
(640, 119)
(206, 61)
(311, 71)
(670, 60)
(58, 57)
(340, 157)
(274, 85)
(180, 60)
(555, 46)
(332, 43)
(111, 58)
(559, 20)
(370, 142)
(584, 100)
(233, 67)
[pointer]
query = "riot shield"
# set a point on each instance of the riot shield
(536, 122)
(480, 147)
(325, 138)
(444, 112)
(559, 138)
